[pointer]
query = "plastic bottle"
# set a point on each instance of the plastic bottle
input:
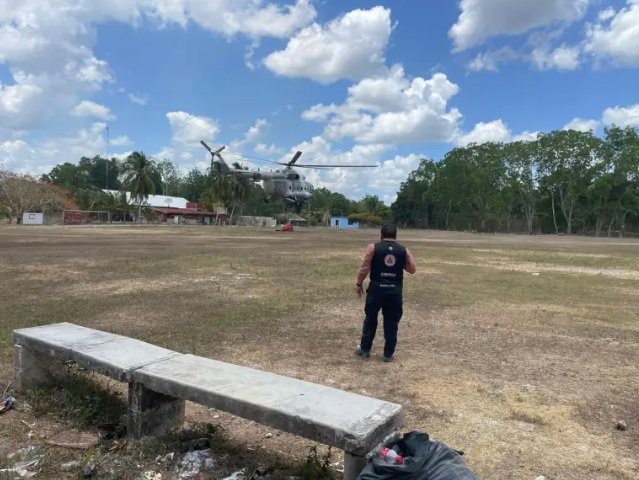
(391, 456)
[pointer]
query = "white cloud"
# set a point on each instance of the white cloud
(87, 108)
(525, 136)
(189, 129)
(582, 125)
(351, 46)
(18, 156)
(256, 131)
(561, 58)
(251, 136)
(482, 19)
(263, 149)
(622, 117)
(392, 108)
(606, 14)
(48, 45)
(120, 141)
(383, 181)
(40, 157)
(616, 36)
(254, 18)
(15, 101)
(187, 132)
(490, 60)
(138, 100)
(495, 131)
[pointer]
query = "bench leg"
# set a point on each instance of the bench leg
(353, 465)
(34, 370)
(152, 413)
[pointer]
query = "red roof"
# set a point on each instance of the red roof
(185, 211)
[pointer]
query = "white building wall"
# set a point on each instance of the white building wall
(31, 218)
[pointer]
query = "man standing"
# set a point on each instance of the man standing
(386, 262)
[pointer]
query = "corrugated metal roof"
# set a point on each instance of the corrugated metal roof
(155, 200)
(185, 212)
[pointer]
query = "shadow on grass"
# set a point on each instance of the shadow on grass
(86, 401)
(79, 399)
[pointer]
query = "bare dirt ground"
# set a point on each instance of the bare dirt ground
(521, 351)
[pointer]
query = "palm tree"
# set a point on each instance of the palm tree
(137, 178)
(113, 203)
(238, 191)
(218, 184)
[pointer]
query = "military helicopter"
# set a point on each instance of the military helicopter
(286, 183)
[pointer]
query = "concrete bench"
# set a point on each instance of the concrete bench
(160, 380)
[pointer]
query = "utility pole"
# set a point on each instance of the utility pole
(107, 157)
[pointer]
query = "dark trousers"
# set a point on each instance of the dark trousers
(392, 309)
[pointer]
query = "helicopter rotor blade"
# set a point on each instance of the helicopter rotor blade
(297, 155)
(206, 146)
(309, 165)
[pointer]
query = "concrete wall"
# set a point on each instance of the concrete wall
(246, 221)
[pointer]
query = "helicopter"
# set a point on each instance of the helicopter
(286, 183)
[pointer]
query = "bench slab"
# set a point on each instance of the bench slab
(161, 379)
(346, 420)
(107, 353)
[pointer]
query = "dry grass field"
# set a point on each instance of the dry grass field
(521, 351)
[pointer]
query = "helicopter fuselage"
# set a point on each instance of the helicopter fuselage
(287, 184)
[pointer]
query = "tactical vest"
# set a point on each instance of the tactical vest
(387, 266)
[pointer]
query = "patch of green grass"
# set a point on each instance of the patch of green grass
(79, 400)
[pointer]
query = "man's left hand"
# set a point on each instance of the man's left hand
(359, 289)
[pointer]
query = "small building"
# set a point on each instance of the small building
(178, 210)
(343, 223)
(192, 215)
(32, 218)
(296, 220)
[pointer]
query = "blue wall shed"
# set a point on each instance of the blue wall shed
(343, 223)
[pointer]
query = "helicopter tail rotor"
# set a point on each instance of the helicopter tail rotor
(219, 160)
(215, 153)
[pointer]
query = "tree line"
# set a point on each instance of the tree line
(98, 184)
(563, 182)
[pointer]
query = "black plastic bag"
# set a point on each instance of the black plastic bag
(424, 459)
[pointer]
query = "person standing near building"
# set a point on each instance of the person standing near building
(386, 261)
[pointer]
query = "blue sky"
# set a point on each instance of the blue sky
(349, 82)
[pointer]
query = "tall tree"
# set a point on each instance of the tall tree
(101, 172)
(567, 160)
(193, 185)
(521, 169)
(137, 178)
(69, 176)
(169, 176)
(24, 193)
(622, 150)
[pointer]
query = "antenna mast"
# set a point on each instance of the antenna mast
(107, 157)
